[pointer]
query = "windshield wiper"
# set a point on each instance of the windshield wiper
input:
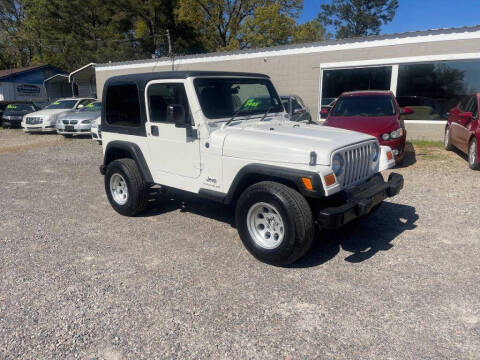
(234, 116)
(266, 113)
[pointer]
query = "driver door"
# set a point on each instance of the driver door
(173, 150)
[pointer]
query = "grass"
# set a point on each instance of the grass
(428, 150)
(425, 144)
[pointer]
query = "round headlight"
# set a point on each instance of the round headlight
(375, 152)
(386, 136)
(337, 165)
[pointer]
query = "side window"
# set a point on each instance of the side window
(473, 107)
(85, 102)
(296, 105)
(122, 106)
(160, 96)
(463, 106)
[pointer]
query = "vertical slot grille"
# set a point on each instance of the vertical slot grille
(357, 163)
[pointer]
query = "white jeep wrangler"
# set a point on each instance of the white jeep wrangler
(226, 137)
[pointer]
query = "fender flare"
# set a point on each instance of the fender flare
(292, 176)
(133, 151)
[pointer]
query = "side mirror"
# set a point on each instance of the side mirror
(406, 111)
(176, 114)
(324, 111)
(466, 115)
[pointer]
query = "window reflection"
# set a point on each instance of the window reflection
(432, 89)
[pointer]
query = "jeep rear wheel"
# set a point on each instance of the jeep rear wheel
(126, 190)
(274, 222)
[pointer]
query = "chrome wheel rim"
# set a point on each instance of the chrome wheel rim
(447, 137)
(265, 225)
(119, 189)
(472, 154)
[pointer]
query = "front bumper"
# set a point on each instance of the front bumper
(79, 129)
(359, 201)
(397, 146)
(38, 128)
(8, 121)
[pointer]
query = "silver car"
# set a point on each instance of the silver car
(80, 121)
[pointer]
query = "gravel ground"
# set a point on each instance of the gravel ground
(77, 280)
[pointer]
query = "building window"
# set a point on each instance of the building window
(122, 105)
(431, 90)
(335, 82)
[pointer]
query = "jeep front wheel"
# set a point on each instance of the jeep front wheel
(125, 187)
(274, 222)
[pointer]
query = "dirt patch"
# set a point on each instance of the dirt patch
(15, 140)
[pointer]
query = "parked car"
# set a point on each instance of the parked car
(295, 108)
(372, 112)
(45, 120)
(14, 112)
(96, 133)
(327, 105)
(80, 121)
(463, 129)
(187, 135)
(423, 108)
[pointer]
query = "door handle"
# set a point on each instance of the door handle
(154, 130)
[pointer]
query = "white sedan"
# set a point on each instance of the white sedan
(45, 120)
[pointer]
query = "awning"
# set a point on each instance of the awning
(83, 81)
(57, 86)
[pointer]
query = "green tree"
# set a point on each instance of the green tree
(71, 33)
(239, 24)
(311, 31)
(355, 18)
(14, 51)
(151, 19)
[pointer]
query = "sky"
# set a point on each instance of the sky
(413, 15)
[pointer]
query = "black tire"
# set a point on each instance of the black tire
(67, 136)
(137, 200)
(473, 160)
(295, 213)
(446, 141)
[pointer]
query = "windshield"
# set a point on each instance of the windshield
(375, 105)
(224, 97)
(15, 108)
(62, 104)
(94, 106)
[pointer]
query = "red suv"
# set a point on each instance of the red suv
(463, 129)
(372, 112)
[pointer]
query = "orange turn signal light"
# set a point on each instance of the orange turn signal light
(330, 179)
(307, 183)
(389, 155)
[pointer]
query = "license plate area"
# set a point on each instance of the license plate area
(69, 128)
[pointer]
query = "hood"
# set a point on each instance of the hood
(17, 113)
(372, 125)
(49, 112)
(81, 115)
(286, 142)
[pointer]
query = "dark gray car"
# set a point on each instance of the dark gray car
(13, 113)
(295, 107)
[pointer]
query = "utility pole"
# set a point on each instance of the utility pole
(170, 52)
